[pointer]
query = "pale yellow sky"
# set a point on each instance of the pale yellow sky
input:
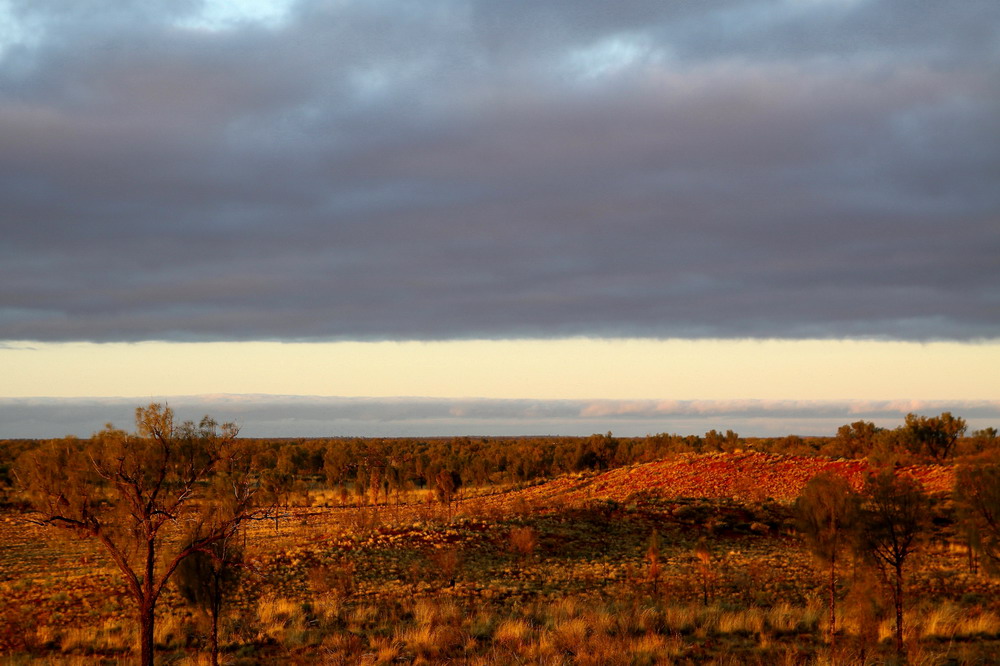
(543, 369)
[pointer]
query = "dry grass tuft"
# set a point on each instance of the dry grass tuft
(383, 651)
(950, 621)
(514, 632)
(749, 621)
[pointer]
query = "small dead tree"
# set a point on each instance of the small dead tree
(447, 562)
(134, 493)
(523, 541)
(653, 558)
(706, 571)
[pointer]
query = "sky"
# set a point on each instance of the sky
(380, 217)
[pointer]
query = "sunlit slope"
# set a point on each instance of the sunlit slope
(742, 475)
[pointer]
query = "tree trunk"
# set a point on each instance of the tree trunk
(215, 636)
(900, 649)
(216, 609)
(147, 605)
(146, 625)
(833, 603)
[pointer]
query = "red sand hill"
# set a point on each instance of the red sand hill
(740, 475)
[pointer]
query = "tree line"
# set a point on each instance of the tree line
(382, 467)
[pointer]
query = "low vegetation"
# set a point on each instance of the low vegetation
(623, 552)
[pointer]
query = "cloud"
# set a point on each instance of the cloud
(311, 416)
(456, 169)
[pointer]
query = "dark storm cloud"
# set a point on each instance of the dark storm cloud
(463, 169)
(305, 416)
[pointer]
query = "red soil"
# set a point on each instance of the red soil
(741, 475)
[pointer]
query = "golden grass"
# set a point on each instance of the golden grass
(682, 619)
(362, 615)
(950, 621)
(749, 621)
(572, 635)
(383, 651)
(513, 632)
(787, 618)
(565, 607)
(434, 612)
(109, 636)
(46, 635)
(429, 642)
(655, 647)
(570, 630)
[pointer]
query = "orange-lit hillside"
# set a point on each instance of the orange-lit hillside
(742, 475)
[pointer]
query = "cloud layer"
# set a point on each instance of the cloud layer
(310, 416)
(383, 169)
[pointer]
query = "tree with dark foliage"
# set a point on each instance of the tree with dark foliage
(854, 440)
(824, 513)
(934, 437)
(206, 577)
(892, 520)
(977, 494)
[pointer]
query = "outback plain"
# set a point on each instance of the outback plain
(659, 550)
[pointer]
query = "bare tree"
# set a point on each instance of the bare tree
(892, 519)
(523, 541)
(704, 563)
(653, 558)
(824, 511)
(138, 494)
